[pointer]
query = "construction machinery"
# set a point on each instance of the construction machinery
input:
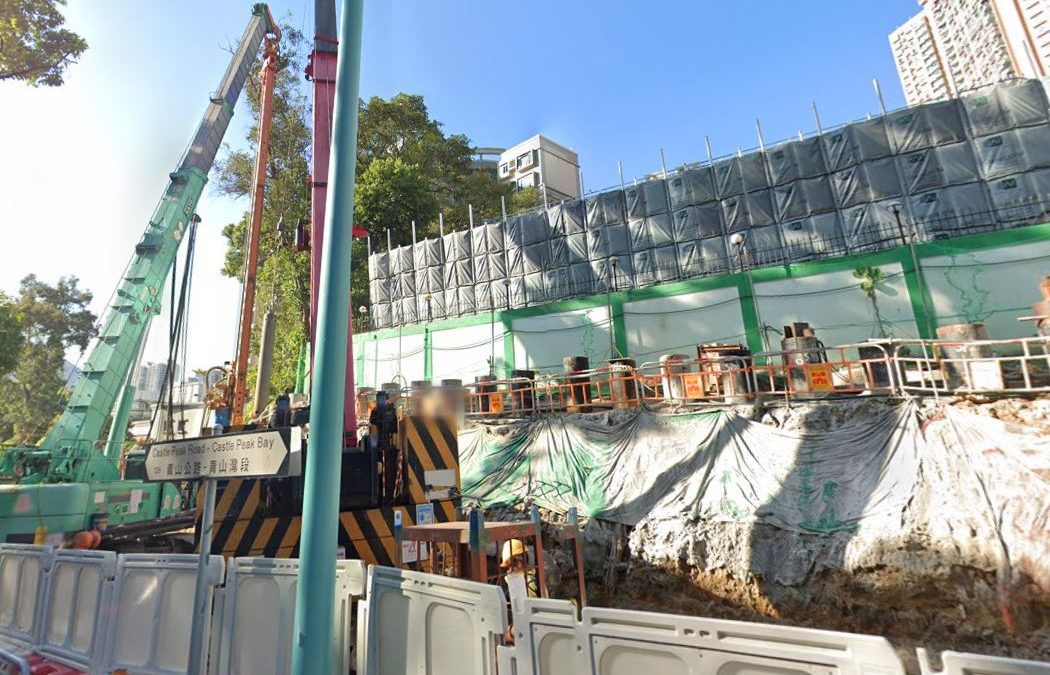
(71, 481)
(264, 516)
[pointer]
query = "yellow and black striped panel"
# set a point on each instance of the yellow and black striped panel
(429, 444)
(365, 534)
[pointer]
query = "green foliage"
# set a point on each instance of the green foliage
(407, 169)
(401, 128)
(524, 199)
(391, 191)
(872, 282)
(11, 337)
(872, 278)
(34, 46)
(52, 319)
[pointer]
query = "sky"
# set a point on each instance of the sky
(83, 165)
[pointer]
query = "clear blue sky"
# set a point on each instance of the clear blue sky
(82, 166)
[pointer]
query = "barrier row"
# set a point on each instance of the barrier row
(99, 612)
(411, 622)
(888, 367)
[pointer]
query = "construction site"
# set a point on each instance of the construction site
(782, 411)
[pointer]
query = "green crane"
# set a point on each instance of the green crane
(59, 485)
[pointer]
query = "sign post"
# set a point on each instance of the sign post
(251, 454)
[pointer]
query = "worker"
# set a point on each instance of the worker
(282, 410)
(518, 578)
(382, 427)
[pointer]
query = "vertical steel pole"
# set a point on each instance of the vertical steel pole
(312, 648)
(200, 593)
(878, 94)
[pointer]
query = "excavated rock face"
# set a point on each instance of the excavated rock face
(966, 566)
(963, 564)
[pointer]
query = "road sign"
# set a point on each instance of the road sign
(248, 454)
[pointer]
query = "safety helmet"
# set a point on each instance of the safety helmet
(512, 548)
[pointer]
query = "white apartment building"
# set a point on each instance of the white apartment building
(915, 53)
(540, 162)
(952, 46)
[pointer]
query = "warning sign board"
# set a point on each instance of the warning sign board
(496, 403)
(818, 376)
(694, 385)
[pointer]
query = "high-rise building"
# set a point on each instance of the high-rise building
(952, 46)
(918, 64)
(540, 162)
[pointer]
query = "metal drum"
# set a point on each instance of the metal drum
(579, 398)
(728, 361)
(485, 388)
(522, 393)
(623, 389)
(673, 368)
(802, 349)
(980, 370)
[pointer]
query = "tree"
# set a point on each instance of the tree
(34, 46)
(407, 169)
(401, 128)
(11, 338)
(53, 319)
(873, 281)
(525, 199)
(393, 193)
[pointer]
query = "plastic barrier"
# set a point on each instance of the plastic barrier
(23, 578)
(152, 612)
(413, 622)
(254, 615)
(75, 608)
(549, 641)
(13, 663)
(959, 663)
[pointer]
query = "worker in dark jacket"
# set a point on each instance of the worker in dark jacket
(382, 429)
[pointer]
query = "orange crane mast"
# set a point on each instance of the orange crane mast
(239, 394)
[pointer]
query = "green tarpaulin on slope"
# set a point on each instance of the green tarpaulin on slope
(715, 466)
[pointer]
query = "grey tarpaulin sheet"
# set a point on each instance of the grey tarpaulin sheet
(962, 485)
(714, 465)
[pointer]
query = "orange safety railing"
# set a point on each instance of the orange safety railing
(1020, 365)
(885, 367)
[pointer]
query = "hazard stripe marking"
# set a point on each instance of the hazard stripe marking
(228, 492)
(264, 534)
(434, 433)
(274, 542)
(247, 540)
(291, 537)
(222, 532)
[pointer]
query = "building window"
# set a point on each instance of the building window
(504, 169)
(524, 160)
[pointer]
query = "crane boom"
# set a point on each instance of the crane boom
(68, 451)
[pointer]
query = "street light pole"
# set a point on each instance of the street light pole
(315, 594)
(919, 276)
(745, 264)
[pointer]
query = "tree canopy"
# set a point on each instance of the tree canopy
(11, 338)
(408, 169)
(34, 46)
(51, 320)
